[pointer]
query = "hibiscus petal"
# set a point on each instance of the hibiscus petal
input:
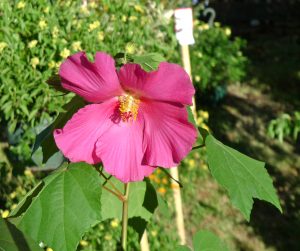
(168, 136)
(78, 137)
(95, 82)
(121, 151)
(168, 83)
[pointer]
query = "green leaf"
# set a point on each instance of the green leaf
(45, 139)
(149, 62)
(26, 201)
(191, 119)
(12, 239)
(65, 208)
(244, 178)
(183, 248)
(142, 201)
(207, 241)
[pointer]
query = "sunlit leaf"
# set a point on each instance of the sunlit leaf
(65, 208)
(243, 177)
(149, 62)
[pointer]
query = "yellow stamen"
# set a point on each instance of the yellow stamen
(129, 107)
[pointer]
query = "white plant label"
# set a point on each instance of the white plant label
(184, 26)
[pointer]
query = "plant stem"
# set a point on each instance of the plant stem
(119, 194)
(125, 217)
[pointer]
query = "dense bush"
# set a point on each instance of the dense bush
(217, 59)
(37, 35)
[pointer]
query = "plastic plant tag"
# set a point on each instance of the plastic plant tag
(184, 26)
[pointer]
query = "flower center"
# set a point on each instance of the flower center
(128, 107)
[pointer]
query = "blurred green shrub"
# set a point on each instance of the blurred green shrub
(285, 125)
(36, 36)
(217, 59)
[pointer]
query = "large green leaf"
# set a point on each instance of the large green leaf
(66, 207)
(149, 62)
(12, 239)
(142, 201)
(244, 178)
(45, 140)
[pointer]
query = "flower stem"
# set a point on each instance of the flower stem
(125, 217)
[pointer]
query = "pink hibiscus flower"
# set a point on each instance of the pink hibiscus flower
(136, 121)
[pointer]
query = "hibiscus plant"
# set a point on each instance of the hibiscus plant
(129, 116)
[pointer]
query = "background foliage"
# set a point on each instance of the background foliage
(38, 36)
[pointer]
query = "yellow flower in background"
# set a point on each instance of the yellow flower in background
(76, 46)
(124, 18)
(57, 65)
(46, 10)
(162, 190)
(21, 5)
(154, 233)
(55, 32)
(108, 237)
(204, 114)
(93, 5)
(83, 243)
(199, 54)
(13, 206)
(217, 24)
(32, 44)
(93, 26)
(192, 163)
(197, 78)
(13, 195)
(130, 48)
(227, 31)
(204, 166)
(205, 127)
(164, 181)
(199, 120)
(34, 62)
(132, 18)
(42, 24)
(49, 249)
(5, 214)
(196, 22)
(84, 10)
(139, 8)
(203, 27)
(114, 223)
(2, 46)
(65, 53)
(51, 65)
(100, 35)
